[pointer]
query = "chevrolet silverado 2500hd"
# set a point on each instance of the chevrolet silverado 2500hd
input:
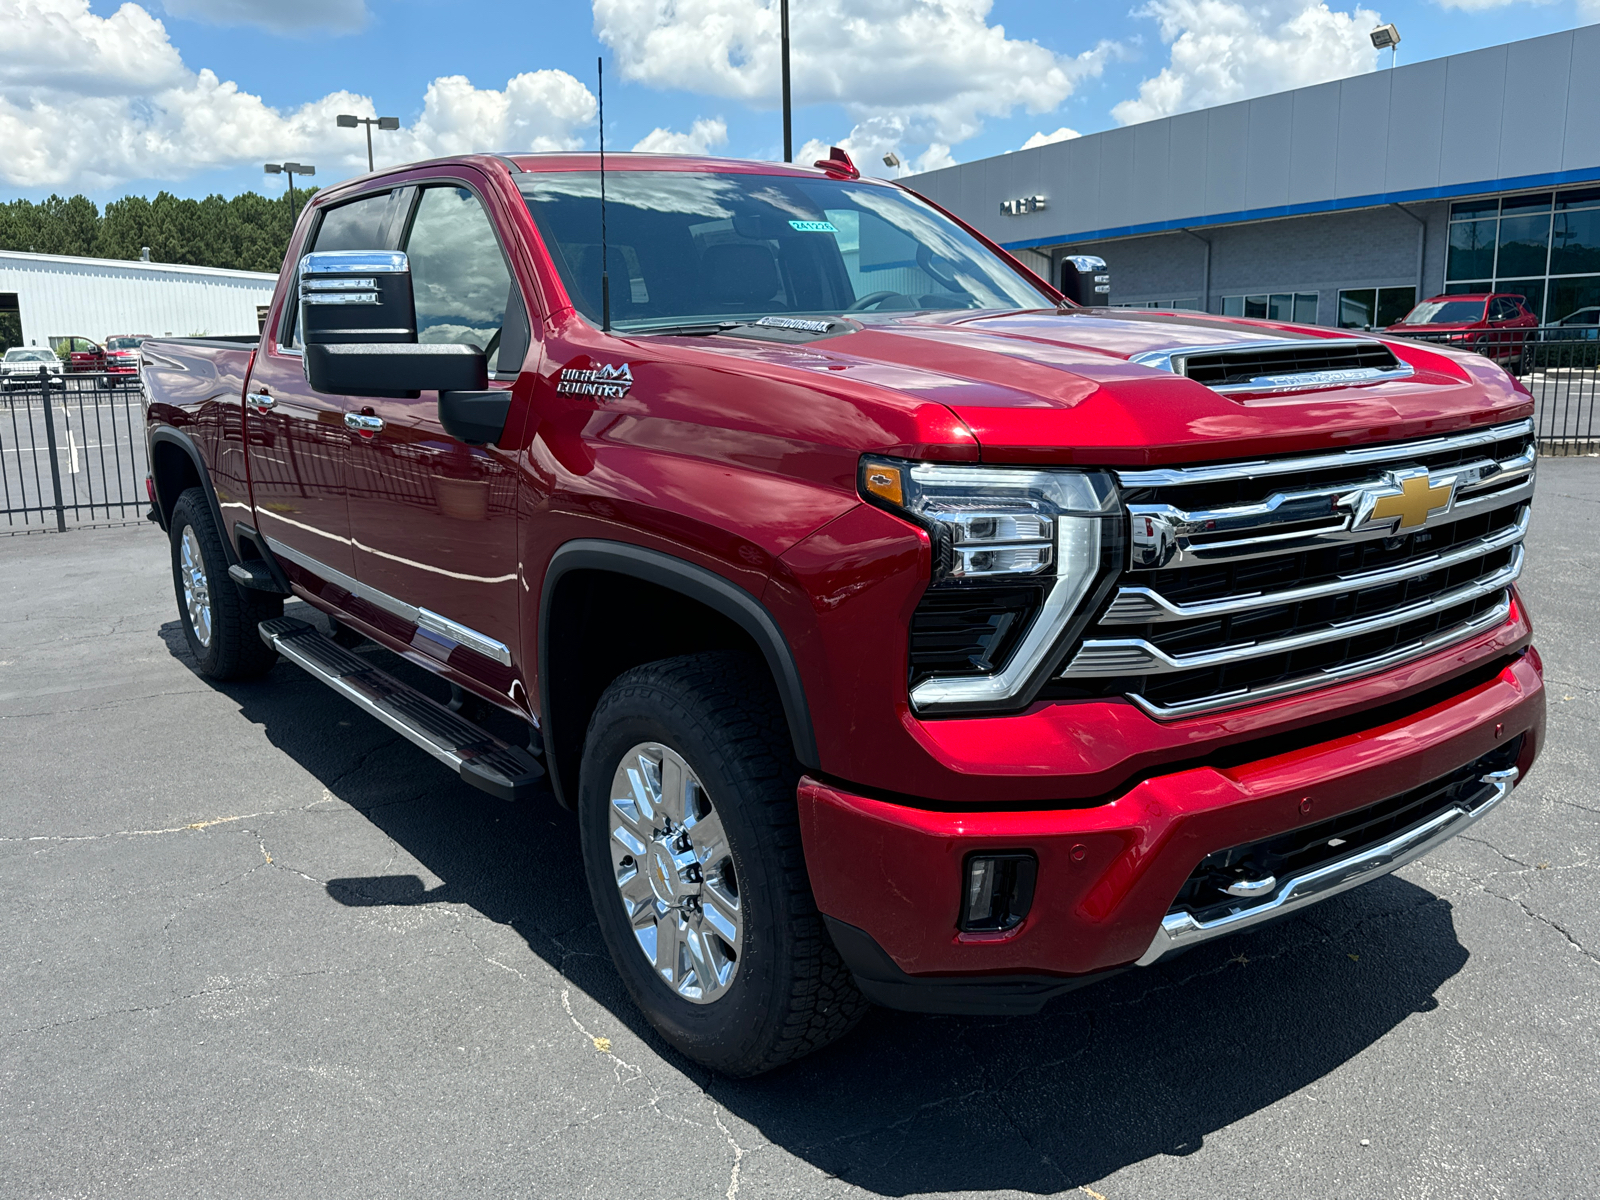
(899, 630)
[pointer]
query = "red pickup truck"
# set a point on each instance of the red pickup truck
(899, 630)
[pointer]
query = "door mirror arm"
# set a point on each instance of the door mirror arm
(476, 417)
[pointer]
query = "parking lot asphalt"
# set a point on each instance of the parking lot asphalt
(254, 944)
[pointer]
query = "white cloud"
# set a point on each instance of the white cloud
(1224, 51)
(91, 102)
(280, 16)
(919, 72)
(702, 136)
(1044, 139)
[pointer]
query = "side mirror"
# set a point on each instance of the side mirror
(359, 324)
(1085, 280)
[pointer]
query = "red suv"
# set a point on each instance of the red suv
(1492, 323)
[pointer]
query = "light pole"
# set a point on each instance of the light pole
(1387, 37)
(291, 170)
(349, 122)
(783, 37)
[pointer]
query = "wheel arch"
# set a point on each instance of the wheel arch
(704, 610)
(176, 465)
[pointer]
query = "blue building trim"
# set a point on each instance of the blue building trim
(1519, 183)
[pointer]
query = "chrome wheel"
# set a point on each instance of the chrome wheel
(674, 872)
(196, 590)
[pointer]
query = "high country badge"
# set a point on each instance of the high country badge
(607, 382)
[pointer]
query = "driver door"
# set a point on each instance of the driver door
(433, 521)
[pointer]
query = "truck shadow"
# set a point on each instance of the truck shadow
(1148, 1063)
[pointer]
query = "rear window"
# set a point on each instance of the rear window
(689, 246)
(1445, 312)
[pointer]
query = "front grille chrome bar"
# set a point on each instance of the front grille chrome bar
(1135, 656)
(1329, 675)
(1167, 536)
(1146, 606)
(1363, 456)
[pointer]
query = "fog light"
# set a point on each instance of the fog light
(998, 891)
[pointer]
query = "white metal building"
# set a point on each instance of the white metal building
(58, 296)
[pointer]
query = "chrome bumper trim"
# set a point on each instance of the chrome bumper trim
(1180, 929)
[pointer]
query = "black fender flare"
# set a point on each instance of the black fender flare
(699, 584)
(165, 435)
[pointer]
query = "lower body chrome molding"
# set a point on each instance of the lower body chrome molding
(1181, 930)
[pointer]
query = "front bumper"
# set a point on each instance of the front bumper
(887, 876)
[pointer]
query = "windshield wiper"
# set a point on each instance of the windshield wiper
(689, 328)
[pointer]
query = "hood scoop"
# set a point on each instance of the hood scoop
(1281, 365)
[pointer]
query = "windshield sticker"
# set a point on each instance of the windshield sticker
(813, 226)
(796, 323)
(608, 382)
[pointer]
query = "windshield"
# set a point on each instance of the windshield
(1445, 312)
(124, 343)
(688, 247)
(20, 355)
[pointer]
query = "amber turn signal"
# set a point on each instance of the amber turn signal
(884, 482)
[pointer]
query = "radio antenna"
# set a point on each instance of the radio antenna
(605, 253)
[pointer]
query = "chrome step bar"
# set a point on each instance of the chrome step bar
(1180, 930)
(480, 758)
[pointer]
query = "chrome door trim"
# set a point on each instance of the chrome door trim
(463, 635)
(1182, 929)
(440, 626)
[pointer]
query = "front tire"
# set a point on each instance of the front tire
(219, 617)
(691, 845)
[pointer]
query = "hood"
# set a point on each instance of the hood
(1066, 387)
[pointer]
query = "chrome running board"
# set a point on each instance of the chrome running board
(480, 758)
(1181, 930)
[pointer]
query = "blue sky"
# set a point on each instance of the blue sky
(932, 79)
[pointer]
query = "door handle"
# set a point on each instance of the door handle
(259, 401)
(364, 425)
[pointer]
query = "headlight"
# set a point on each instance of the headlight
(1016, 552)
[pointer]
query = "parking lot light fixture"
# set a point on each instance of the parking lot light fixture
(347, 121)
(291, 169)
(1387, 37)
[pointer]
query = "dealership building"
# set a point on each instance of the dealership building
(1341, 204)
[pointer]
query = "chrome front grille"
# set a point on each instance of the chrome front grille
(1252, 580)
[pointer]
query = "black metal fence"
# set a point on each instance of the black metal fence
(1559, 364)
(72, 450)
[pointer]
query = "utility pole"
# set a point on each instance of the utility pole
(346, 121)
(788, 127)
(291, 170)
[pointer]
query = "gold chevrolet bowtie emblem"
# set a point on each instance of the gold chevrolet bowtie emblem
(1418, 497)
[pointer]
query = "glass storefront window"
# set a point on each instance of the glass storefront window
(1394, 303)
(1567, 296)
(1578, 198)
(1474, 208)
(1297, 307)
(1524, 242)
(1575, 243)
(1471, 249)
(1357, 307)
(1530, 202)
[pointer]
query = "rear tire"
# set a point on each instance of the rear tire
(219, 617)
(752, 980)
